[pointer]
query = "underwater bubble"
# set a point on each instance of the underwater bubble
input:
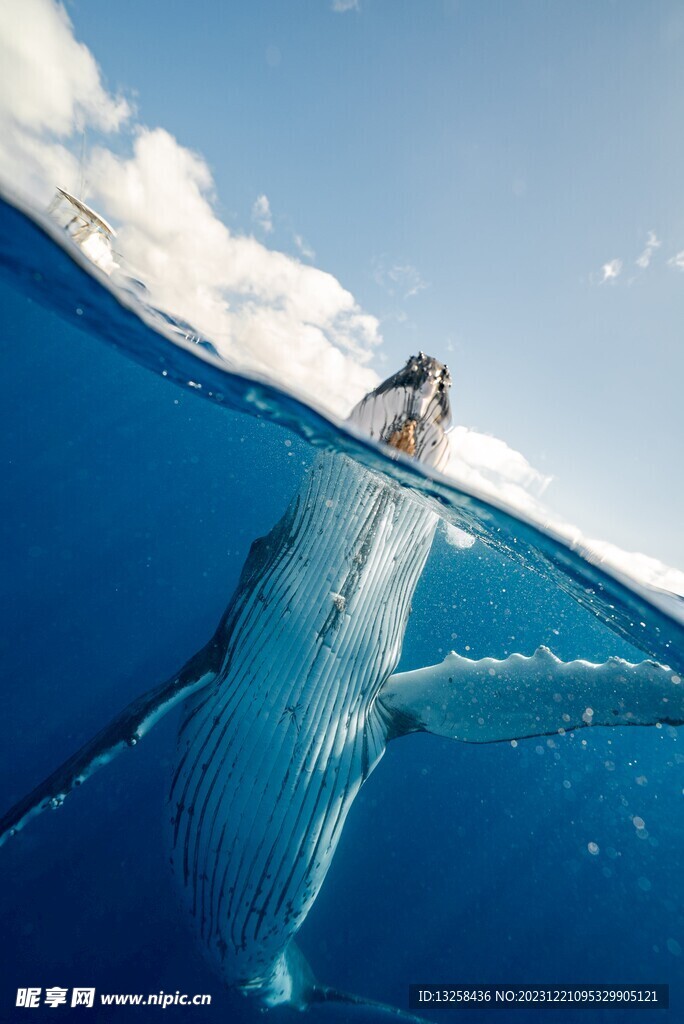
(567, 784)
(638, 822)
(593, 849)
(641, 780)
(644, 883)
(674, 947)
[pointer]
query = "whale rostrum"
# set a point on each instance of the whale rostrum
(290, 705)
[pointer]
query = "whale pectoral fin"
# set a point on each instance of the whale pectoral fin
(489, 701)
(124, 731)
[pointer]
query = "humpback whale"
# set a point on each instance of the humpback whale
(290, 705)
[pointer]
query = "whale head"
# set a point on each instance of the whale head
(410, 411)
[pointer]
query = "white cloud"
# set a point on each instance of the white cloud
(304, 248)
(611, 270)
(261, 308)
(407, 279)
(261, 214)
(634, 564)
(50, 87)
(490, 468)
(400, 279)
(652, 243)
(49, 81)
(345, 5)
(677, 261)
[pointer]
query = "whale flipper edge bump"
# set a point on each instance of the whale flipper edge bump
(492, 701)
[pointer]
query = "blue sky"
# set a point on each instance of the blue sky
(465, 169)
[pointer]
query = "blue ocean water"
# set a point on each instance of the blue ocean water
(129, 505)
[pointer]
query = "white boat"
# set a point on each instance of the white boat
(89, 230)
(94, 236)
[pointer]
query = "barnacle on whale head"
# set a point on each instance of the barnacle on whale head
(410, 411)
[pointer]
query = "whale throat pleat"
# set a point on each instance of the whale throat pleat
(272, 755)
